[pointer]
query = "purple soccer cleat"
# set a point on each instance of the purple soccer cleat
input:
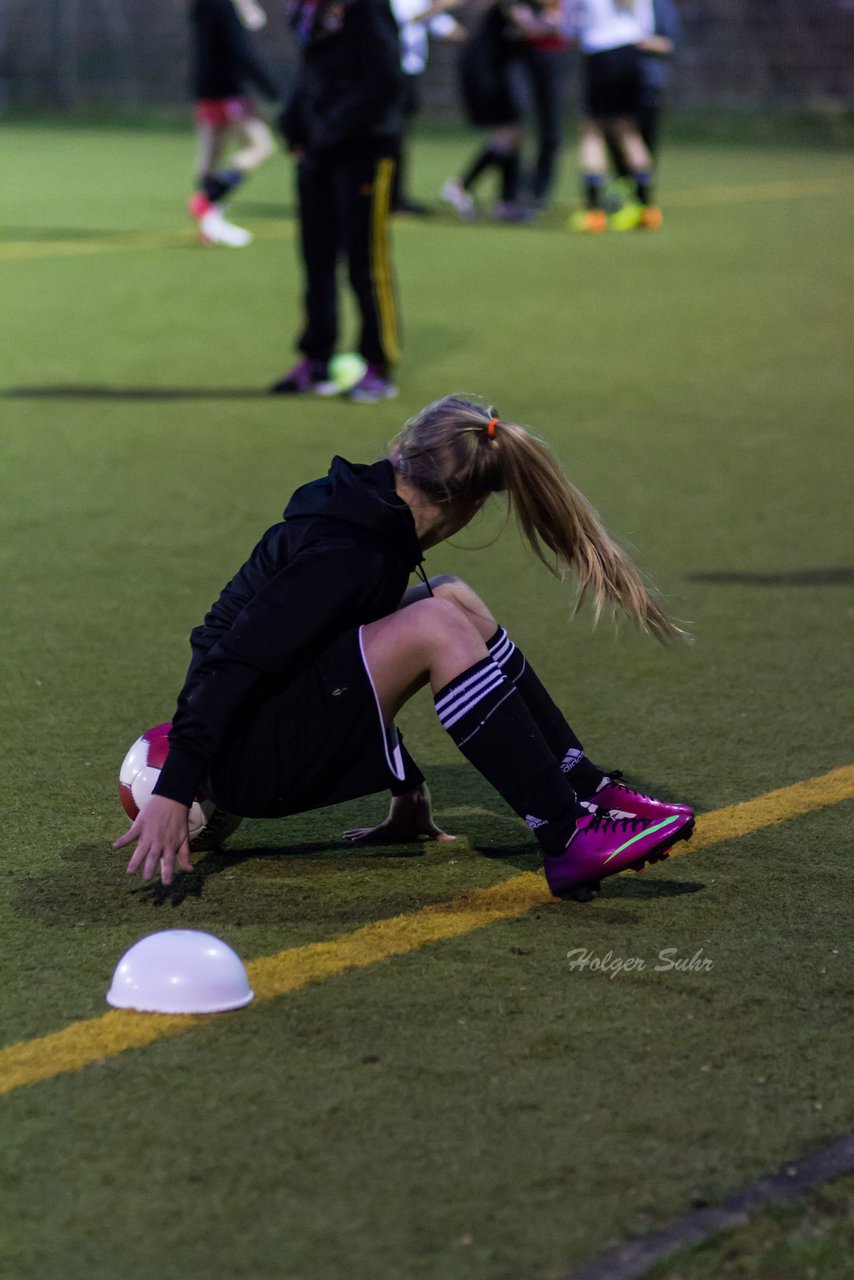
(306, 378)
(618, 800)
(373, 386)
(602, 846)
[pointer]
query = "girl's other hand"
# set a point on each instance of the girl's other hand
(162, 834)
(410, 818)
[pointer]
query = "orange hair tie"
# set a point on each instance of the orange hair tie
(490, 430)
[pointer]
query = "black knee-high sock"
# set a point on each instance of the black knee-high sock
(484, 160)
(218, 185)
(510, 177)
(552, 723)
(593, 190)
(643, 186)
(489, 722)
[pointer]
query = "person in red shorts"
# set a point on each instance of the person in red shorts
(224, 66)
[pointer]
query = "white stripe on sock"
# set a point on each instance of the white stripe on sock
(451, 715)
(447, 700)
(503, 649)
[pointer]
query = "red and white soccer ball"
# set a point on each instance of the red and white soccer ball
(140, 771)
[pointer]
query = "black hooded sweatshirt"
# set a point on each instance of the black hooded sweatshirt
(350, 82)
(341, 557)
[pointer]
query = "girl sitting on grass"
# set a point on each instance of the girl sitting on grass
(302, 664)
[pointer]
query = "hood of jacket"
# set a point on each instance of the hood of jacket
(360, 495)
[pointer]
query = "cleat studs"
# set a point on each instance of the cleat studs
(581, 893)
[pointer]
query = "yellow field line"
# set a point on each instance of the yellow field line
(26, 250)
(746, 193)
(95, 1039)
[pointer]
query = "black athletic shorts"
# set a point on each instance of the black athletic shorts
(317, 740)
(613, 82)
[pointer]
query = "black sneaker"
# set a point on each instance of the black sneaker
(219, 827)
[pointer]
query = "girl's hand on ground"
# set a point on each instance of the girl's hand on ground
(410, 817)
(162, 835)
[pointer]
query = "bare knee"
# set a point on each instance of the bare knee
(425, 630)
(441, 638)
(443, 619)
(461, 595)
(593, 155)
(430, 640)
(631, 144)
(259, 146)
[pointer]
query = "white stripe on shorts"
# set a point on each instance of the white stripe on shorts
(391, 738)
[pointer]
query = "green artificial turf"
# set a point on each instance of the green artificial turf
(477, 1110)
(808, 1238)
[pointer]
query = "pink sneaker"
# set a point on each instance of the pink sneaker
(198, 205)
(620, 801)
(602, 846)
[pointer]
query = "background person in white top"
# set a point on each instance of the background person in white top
(613, 36)
(417, 20)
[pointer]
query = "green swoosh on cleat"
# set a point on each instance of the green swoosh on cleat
(665, 822)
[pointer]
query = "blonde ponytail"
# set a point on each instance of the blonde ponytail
(457, 451)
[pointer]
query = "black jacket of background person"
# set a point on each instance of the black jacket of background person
(341, 557)
(224, 64)
(350, 81)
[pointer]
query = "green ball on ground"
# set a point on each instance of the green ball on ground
(346, 370)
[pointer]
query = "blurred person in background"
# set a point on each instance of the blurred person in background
(614, 36)
(417, 22)
(342, 123)
(224, 66)
(490, 103)
(656, 64)
(538, 71)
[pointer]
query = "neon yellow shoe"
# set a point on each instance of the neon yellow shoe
(636, 217)
(627, 218)
(591, 221)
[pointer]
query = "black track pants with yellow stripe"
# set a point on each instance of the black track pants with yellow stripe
(344, 199)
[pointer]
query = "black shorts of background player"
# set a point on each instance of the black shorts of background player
(301, 667)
